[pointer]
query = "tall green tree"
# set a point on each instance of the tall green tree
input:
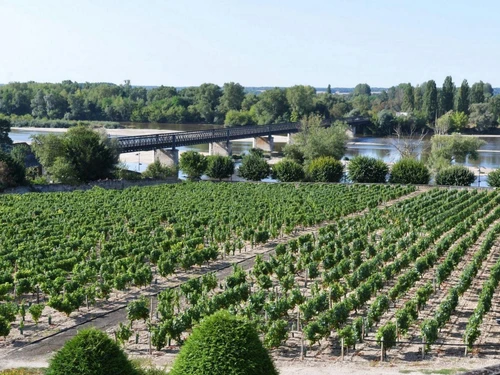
(418, 101)
(481, 117)
(462, 99)
(430, 101)
(300, 98)
(248, 101)
(477, 93)
(362, 89)
(12, 173)
(5, 140)
(232, 97)
(207, 100)
(488, 91)
(494, 104)
(408, 98)
(448, 95)
(38, 106)
(446, 149)
(272, 107)
(314, 140)
(78, 156)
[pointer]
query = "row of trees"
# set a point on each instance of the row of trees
(232, 105)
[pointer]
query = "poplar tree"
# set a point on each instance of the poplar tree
(462, 104)
(448, 94)
(430, 104)
(477, 93)
(408, 98)
(417, 102)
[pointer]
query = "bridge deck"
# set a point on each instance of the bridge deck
(174, 140)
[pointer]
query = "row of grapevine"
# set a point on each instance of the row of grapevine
(318, 282)
(409, 311)
(71, 249)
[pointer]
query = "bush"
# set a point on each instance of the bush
(288, 171)
(364, 169)
(456, 175)
(127, 174)
(494, 178)
(219, 167)
(293, 152)
(325, 169)
(78, 156)
(159, 171)
(254, 167)
(387, 335)
(223, 345)
(193, 164)
(409, 171)
(11, 172)
(90, 352)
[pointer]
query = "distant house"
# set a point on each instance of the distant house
(402, 114)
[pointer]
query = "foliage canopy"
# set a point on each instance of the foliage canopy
(90, 352)
(223, 345)
(80, 155)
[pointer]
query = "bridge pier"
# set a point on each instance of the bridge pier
(352, 131)
(289, 140)
(220, 148)
(167, 157)
(264, 143)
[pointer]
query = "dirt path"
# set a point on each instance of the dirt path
(109, 315)
(490, 328)
(412, 348)
(453, 331)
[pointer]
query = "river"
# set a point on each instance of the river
(382, 148)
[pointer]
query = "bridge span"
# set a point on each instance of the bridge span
(165, 145)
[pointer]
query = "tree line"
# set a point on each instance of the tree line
(403, 105)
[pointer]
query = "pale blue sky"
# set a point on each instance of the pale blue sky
(254, 42)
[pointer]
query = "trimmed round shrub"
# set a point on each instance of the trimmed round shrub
(254, 167)
(219, 166)
(223, 344)
(494, 178)
(159, 171)
(193, 164)
(287, 171)
(91, 352)
(456, 175)
(325, 169)
(364, 169)
(409, 171)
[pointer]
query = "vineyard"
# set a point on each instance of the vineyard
(413, 279)
(419, 277)
(61, 252)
